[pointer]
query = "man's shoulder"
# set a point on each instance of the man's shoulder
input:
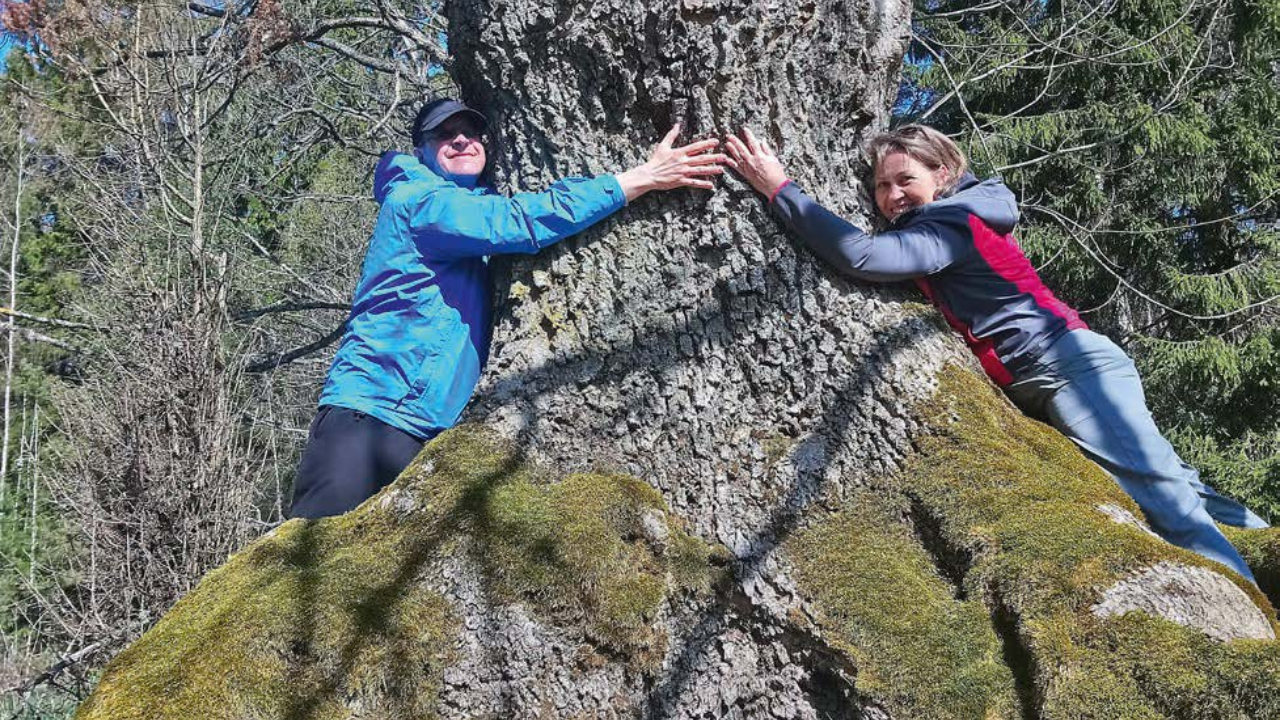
(417, 190)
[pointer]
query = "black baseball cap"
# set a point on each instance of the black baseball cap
(437, 111)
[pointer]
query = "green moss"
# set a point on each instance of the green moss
(696, 566)
(1020, 502)
(322, 616)
(775, 448)
(314, 613)
(1008, 509)
(1261, 550)
(912, 309)
(577, 550)
(918, 650)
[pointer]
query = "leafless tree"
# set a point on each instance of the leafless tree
(207, 158)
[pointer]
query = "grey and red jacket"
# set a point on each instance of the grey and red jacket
(961, 253)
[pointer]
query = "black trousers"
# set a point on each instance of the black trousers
(349, 457)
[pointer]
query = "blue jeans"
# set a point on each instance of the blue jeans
(1087, 388)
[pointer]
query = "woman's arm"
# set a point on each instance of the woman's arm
(926, 247)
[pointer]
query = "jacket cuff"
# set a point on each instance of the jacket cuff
(613, 189)
(787, 201)
(778, 189)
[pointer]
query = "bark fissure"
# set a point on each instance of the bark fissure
(952, 561)
(828, 680)
(1017, 656)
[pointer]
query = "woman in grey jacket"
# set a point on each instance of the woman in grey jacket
(951, 234)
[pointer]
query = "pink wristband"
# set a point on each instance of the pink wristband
(778, 189)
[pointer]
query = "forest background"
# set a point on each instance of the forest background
(185, 198)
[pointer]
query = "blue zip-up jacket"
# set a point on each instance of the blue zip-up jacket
(961, 253)
(420, 324)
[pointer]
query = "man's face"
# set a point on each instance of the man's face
(457, 146)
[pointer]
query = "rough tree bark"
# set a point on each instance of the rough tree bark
(689, 341)
(690, 337)
(894, 540)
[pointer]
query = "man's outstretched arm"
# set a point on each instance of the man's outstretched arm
(454, 222)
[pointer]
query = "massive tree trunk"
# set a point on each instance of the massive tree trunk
(689, 341)
(794, 497)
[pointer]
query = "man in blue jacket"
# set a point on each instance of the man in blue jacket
(420, 325)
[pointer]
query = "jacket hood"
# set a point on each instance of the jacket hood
(395, 168)
(989, 199)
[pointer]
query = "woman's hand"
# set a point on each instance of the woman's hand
(672, 167)
(756, 163)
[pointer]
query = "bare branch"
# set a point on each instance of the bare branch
(288, 357)
(55, 322)
(51, 673)
(291, 307)
(32, 335)
(318, 289)
(352, 54)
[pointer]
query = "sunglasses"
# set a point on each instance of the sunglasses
(449, 131)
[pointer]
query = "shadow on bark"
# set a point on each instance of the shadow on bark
(788, 512)
(784, 520)
(656, 349)
(372, 611)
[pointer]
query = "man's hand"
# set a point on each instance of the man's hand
(671, 167)
(756, 163)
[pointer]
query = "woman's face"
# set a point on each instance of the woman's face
(457, 147)
(903, 183)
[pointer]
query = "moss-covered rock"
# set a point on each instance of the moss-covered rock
(341, 617)
(968, 585)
